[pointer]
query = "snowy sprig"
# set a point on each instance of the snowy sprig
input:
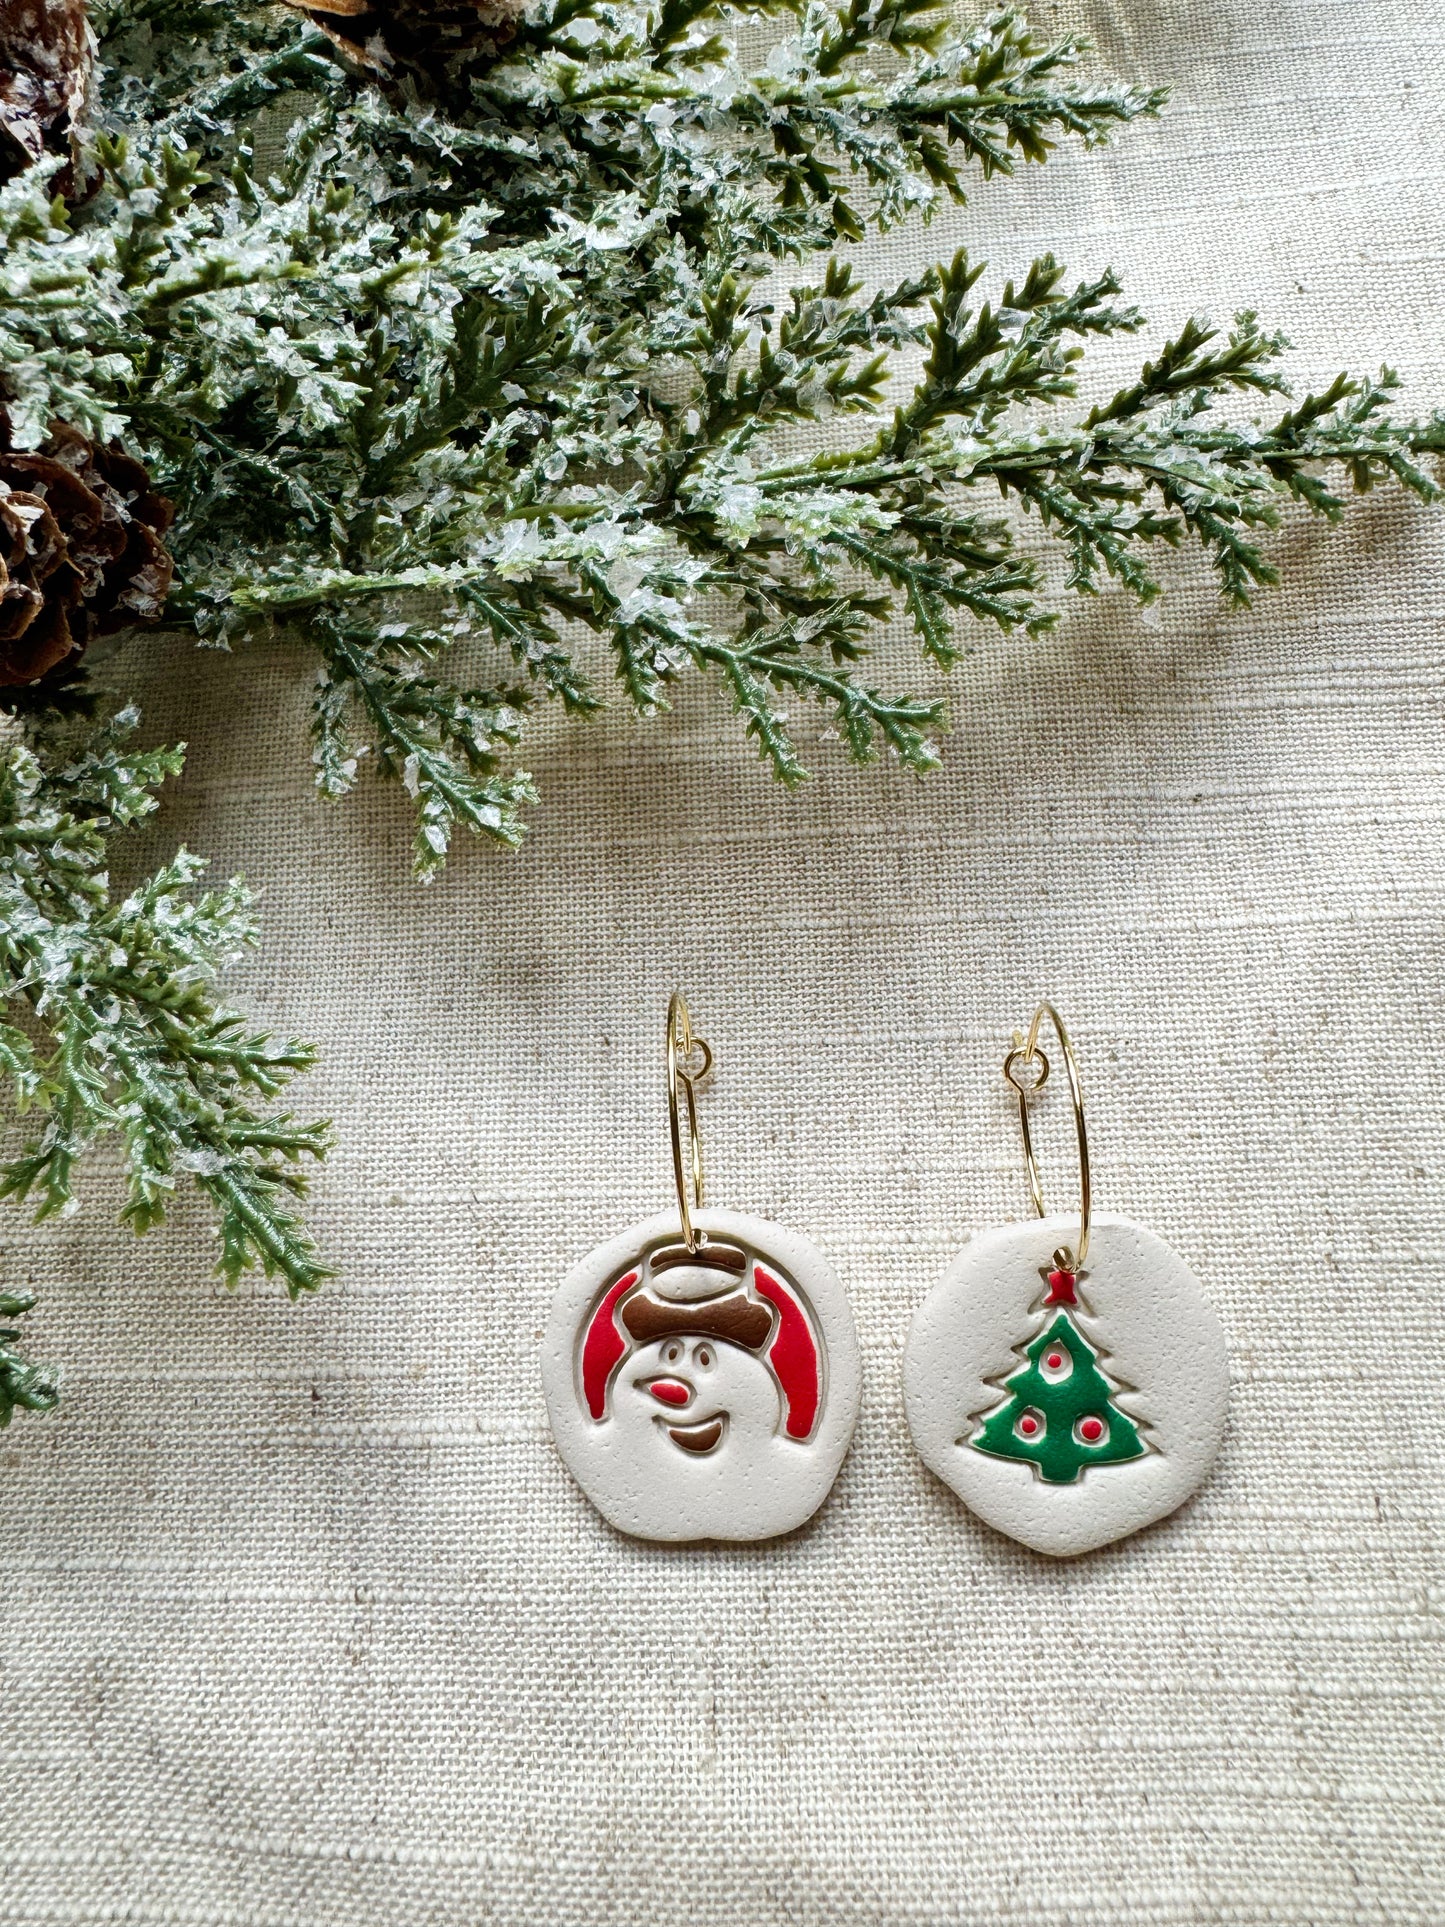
(474, 363)
(24, 1386)
(119, 1028)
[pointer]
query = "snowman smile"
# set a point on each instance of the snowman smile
(702, 1436)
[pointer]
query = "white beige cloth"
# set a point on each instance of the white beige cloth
(305, 1625)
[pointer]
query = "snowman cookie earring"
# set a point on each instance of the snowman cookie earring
(1066, 1406)
(701, 1369)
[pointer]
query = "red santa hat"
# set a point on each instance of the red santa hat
(705, 1293)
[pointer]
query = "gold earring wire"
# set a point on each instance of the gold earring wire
(681, 1046)
(1026, 1051)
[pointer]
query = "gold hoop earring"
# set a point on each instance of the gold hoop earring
(1067, 1257)
(1072, 1411)
(701, 1369)
(680, 1048)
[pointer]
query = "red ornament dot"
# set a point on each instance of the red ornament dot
(1092, 1430)
(1028, 1426)
(1054, 1360)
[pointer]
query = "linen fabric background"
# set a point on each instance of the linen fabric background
(304, 1623)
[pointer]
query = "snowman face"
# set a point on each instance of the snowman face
(706, 1398)
(697, 1394)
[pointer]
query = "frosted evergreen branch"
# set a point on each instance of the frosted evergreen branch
(443, 743)
(1155, 464)
(121, 993)
(23, 1386)
(481, 358)
(940, 570)
(772, 657)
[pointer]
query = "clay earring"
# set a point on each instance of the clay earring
(1066, 1406)
(701, 1369)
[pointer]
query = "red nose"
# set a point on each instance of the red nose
(670, 1391)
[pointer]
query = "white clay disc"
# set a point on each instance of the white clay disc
(1063, 1425)
(710, 1397)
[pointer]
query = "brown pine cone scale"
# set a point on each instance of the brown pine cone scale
(81, 553)
(46, 50)
(383, 34)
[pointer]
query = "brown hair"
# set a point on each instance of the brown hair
(706, 1258)
(734, 1317)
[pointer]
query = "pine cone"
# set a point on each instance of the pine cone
(46, 49)
(383, 34)
(80, 550)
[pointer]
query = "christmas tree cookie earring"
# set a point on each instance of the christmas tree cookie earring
(1066, 1406)
(701, 1369)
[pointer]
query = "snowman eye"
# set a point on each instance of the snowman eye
(671, 1354)
(703, 1357)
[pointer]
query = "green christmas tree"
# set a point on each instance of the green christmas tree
(1060, 1414)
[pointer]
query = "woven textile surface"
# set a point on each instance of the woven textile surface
(304, 1625)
